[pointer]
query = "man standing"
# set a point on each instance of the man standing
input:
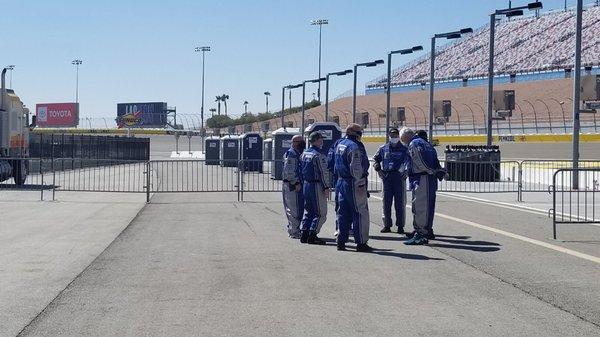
(330, 167)
(293, 200)
(316, 185)
(351, 168)
(390, 162)
(424, 171)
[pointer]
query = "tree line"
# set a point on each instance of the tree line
(223, 121)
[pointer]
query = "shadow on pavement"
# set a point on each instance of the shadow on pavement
(484, 249)
(405, 256)
(465, 242)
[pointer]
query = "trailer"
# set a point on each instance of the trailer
(14, 135)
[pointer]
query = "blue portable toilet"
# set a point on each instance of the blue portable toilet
(282, 141)
(230, 147)
(212, 150)
(331, 133)
(251, 151)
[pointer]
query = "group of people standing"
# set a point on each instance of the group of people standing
(310, 174)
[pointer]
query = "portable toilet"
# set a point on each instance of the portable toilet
(282, 141)
(212, 148)
(331, 133)
(268, 154)
(230, 150)
(251, 151)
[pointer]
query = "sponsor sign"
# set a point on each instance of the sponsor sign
(142, 115)
(57, 114)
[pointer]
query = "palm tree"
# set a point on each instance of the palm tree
(218, 100)
(224, 98)
(245, 107)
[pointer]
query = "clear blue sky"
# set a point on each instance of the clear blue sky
(144, 50)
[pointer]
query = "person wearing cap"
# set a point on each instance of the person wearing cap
(316, 185)
(424, 171)
(293, 200)
(352, 167)
(390, 164)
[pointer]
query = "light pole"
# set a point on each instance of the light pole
(267, 94)
(508, 12)
(365, 64)
(339, 73)
(449, 36)
(203, 50)
(77, 63)
(576, 94)
(319, 23)
(388, 90)
(11, 68)
(289, 87)
(316, 80)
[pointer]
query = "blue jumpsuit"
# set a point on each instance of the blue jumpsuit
(316, 180)
(351, 167)
(423, 167)
(293, 202)
(392, 159)
(330, 167)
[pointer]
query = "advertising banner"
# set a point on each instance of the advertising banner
(142, 115)
(57, 114)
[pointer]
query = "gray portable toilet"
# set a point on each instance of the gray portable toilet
(230, 147)
(331, 133)
(251, 151)
(212, 149)
(282, 141)
(268, 154)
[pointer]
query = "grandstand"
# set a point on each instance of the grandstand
(523, 46)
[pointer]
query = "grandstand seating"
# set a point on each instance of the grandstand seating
(522, 45)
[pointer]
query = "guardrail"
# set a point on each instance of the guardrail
(575, 204)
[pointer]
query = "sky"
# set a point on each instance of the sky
(143, 50)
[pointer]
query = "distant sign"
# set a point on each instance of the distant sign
(142, 115)
(57, 114)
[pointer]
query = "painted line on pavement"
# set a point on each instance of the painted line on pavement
(517, 237)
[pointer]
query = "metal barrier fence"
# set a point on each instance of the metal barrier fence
(575, 204)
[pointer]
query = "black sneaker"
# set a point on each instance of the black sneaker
(385, 230)
(341, 246)
(401, 230)
(304, 236)
(363, 248)
(410, 235)
(313, 239)
(431, 236)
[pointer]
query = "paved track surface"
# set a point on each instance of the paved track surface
(200, 264)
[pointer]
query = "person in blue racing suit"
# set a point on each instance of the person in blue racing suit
(330, 168)
(351, 168)
(293, 201)
(424, 171)
(316, 187)
(390, 164)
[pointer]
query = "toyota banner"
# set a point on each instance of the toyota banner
(57, 114)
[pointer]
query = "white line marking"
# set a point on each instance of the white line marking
(516, 236)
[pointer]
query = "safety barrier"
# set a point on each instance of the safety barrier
(575, 202)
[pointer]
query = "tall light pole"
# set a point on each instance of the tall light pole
(267, 94)
(316, 80)
(203, 50)
(365, 64)
(388, 90)
(77, 63)
(339, 73)
(576, 94)
(289, 87)
(11, 68)
(508, 12)
(320, 23)
(449, 36)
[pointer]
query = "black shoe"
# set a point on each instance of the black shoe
(431, 236)
(313, 239)
(401, 230)
(304, 236)
(410, 234)
(341, 246)
(385, 230)
(363, 248)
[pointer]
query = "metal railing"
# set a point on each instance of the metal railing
(575, 204)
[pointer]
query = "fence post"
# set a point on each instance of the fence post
(239, 181)
(520, 182)
(554, 204)
(147, 173)
(53, 180)
(42, 182)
